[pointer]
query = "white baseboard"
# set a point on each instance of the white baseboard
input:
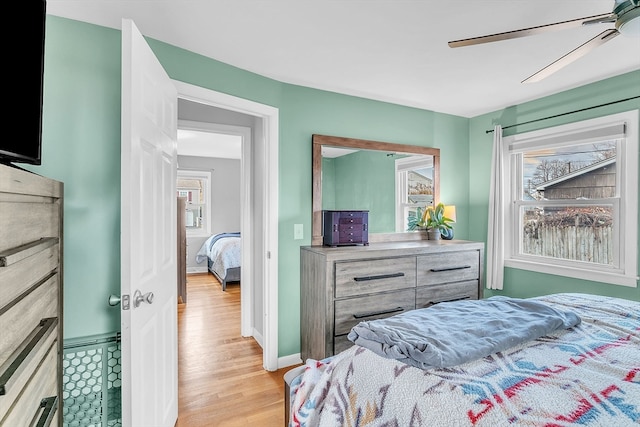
(290, 360)
(283, 362)
(258, 337)
(195, 270)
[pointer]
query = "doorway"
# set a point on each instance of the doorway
(220, 154)
(259, 222)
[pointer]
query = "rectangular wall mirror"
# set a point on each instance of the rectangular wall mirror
(389, 180)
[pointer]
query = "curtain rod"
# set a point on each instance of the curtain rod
(564, 114)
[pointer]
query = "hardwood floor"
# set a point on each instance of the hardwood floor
(221, 381)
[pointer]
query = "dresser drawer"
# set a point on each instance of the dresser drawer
(448, 267)
(21, 318)
(376, 275)
(18, 277)
(41, 385)
(349, 312)
(428, 295)
(350, 233)
(352, 218)
(22, 222)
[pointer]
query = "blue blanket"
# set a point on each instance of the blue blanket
(451, 333)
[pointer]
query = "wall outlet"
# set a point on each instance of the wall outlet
(297, 232)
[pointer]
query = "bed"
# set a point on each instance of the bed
(222, 252)
(579, 372)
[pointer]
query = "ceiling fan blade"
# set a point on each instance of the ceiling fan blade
(530, 31)
(609, 19)
(575, 54)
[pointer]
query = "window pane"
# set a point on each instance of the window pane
(420, 186)
(415, 178)
(584, 171)
(577, 233)
(193, 187)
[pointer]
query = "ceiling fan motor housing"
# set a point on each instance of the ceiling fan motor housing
(628, 22)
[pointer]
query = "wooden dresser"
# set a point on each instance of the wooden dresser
(30, 299)
(346, 285)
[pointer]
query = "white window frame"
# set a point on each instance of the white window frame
(205, 231)
(403, 166)
(625, 204)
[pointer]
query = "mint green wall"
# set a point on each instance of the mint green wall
(81, 147)
(521, 283)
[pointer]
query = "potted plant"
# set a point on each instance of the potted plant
(435, 222)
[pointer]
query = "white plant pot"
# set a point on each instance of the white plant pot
(433, 234)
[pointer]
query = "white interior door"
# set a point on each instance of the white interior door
(148, 237)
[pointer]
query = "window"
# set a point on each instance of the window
(572, 196)
(414, 189)
(194, 186)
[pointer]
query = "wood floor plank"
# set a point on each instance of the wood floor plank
(221, 381)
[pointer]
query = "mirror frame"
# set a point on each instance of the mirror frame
(335, 141)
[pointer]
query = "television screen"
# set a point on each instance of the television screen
(23, 145)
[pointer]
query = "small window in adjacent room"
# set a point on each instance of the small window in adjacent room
(194, 186)
(572, 194)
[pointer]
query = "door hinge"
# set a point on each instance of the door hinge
(125, 302)
(268, 254)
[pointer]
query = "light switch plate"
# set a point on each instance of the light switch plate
(297, 232)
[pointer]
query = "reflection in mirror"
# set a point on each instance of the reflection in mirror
(414, 189)
(393, 187)
(394, 182)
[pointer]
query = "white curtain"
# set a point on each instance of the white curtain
(495, 238)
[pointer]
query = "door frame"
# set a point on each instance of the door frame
(268, 228)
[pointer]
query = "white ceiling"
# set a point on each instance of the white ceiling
(388, 50)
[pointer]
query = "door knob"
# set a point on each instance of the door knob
(114, 300)
(139, 298)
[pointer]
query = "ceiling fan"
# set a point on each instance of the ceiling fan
(625, 17)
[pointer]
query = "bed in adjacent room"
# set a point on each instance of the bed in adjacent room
(557, 360)
(223, 254)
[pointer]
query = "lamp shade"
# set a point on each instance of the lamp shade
(450, 212)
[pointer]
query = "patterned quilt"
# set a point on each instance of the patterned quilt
(224, 251)
(588, 375)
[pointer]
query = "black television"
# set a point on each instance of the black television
(24, 144)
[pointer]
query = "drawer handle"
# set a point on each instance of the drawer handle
(19, 253)
(48, 406)
(430, 303)
(450, 268)
(43, 330)
(380, 276)
(377, 313)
